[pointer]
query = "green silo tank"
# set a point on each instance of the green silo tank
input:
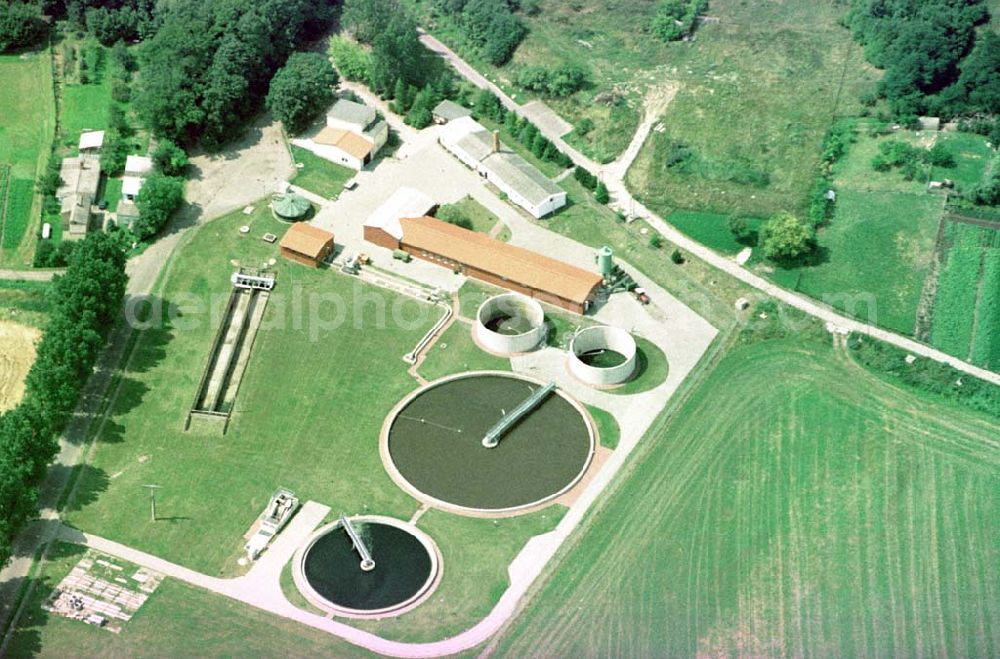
(605, 261)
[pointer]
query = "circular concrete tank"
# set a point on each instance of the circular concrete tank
(509, 324)
(602, 356)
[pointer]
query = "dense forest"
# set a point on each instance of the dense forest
(935, 60)
(207, 68)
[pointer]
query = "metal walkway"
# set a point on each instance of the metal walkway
(492, 437)
(367, 562)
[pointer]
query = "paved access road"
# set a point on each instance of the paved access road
(613, 175)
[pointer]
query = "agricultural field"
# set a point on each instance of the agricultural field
(966, 312)
(28, 110)
(823, 512)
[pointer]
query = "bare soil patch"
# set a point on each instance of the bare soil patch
(17, 354)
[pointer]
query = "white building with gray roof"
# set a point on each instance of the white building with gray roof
(521, 181)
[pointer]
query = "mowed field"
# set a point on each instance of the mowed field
(795, 506)
(27, 109)
(325, 370)
(757, 91)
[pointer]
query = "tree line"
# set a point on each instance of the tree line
(84, 304)
(935, 60)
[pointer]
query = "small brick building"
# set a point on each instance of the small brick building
(306, 244)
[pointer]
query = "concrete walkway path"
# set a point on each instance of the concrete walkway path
(623, 200)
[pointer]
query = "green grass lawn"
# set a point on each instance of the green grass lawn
(18, 212)
(475, 555)
(972, 157)
(112, 192)
(796, 505)
(27, 107)
(269, 443)
(481, 218)
(456, 352)
(651, 370)
(703, 288)
(320, 175)
(178, 620)
(711, 229)
(878, 246)
(607, 427)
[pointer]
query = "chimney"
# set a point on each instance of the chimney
(496, 141)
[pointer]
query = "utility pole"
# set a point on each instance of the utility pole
(152, 499)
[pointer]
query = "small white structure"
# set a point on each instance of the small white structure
(138, 165)
(509, 306)
(352, 136)
(521, 181)
(383, 227)
(279, 510)
(91, 140)
(131, 186)
(593, 340)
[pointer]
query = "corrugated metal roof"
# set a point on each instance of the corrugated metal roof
(522, 176)
(515, 264)
(306, 239)
(450, 110)
(352, 113)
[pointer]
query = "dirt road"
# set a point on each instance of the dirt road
(623, 200)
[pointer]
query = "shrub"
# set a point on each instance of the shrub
(656, 241)
(740, 228)
(787, 238)
(564, 80)
(585, 178)
(677, 257)
(453, 215)
(353, 61)
(584, 126)
(601, 193)
(675, 19)
(159, 197)
(169, 158)
(939, 156)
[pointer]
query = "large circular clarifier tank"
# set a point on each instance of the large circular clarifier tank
(602, 356)
(509, 324)
(328, 570)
